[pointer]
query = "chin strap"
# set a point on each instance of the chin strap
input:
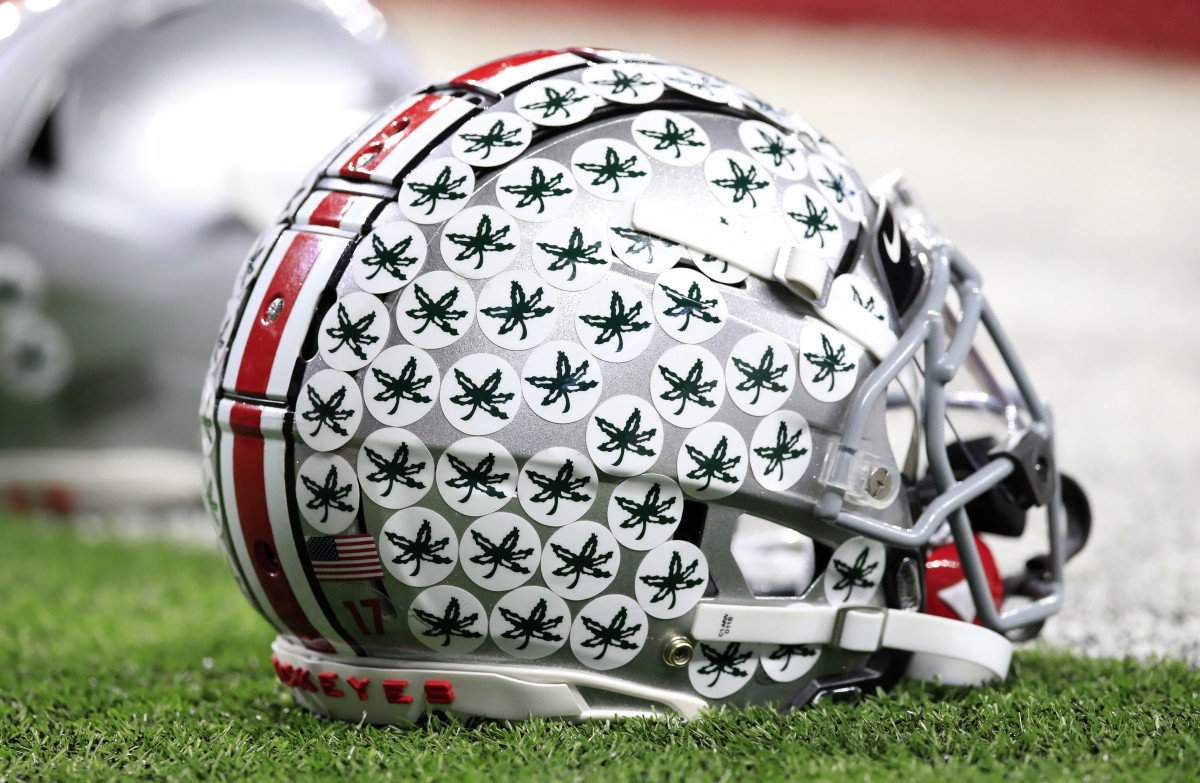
(955, 652)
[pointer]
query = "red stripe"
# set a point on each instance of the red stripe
(371, 154)
(250, 485)
(263, 340)
(332, 210)
(476, 76)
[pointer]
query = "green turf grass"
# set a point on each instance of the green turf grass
(123, 660)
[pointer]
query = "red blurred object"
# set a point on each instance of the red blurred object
(948, 594)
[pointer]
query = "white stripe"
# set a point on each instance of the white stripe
(254, 304)
(301, 315)
(274, 460)
(510, 77)
(421, 137)
(228, 489)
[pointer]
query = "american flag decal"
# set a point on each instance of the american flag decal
(350, 558)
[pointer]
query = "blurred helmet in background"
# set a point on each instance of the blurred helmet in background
(617, 391)
(143, 145)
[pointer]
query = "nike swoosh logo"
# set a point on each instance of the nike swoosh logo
(891, 244)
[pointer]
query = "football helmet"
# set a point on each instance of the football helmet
(143, 147)
(619, 393)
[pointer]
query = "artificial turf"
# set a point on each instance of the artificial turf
(142, 661)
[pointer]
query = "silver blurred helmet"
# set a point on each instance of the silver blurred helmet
(144, 144)
(629, 397)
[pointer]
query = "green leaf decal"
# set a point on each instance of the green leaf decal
(816, 223)
(763, 376)
(713, 466)
(326, 496)
(480, 477)
(677, 578)
(420, 549)
(721, 662)
(615, 634)
(784, 450)
(689, 389)
(438, 313)
(557, 102)
(536, 626)
(352, 335)
(485, 396)
(441, 188)
(574, 253)
(496, 136)
(613, 170)
(450, 623)
(854, 574)
(690, 305)
(565, 382)
(394, 470)
(484, 240)
(519, 310)
(829, 362)
(327, 413)
(672, 137)
(389, 259)
(743, 183)
(538, 189)
(502, 555)
(563, 486)
(629, 437)
(406, 386)
(618, 322)
(651, 510)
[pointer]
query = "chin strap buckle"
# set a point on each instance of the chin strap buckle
(859, 628)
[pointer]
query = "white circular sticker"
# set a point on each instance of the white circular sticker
(562, 382)
(687, 385)
(556, 102)
(517, 310)
(609, 632)
(436, 190)
(328, 410)
(481, 394)
(788, 662)
(697, 84)
(720, 669)
(624, 82)
(854, 572)
(689, 306)
(613, 322)
(780, 450)
(813, 223)
(418, 546)
(394, 467)
(530, 622)
(500, 551)
(436, 310)
(712, 461)
(671, 138)
(480, 242)
(643, 252)
(448, 619)
(740, 183)
(492, 138)
(557, 486)
(476, 476)
(536, 189)
(761, 372)
(838, 186)
(829, 363)
(645, 510)
(611, 169)
(571, 254)
(671, 579)
(327, 493)
(389, 257)
(353, 331)
(401, 385)
(624, 436)
(780, 153)
(581, 560)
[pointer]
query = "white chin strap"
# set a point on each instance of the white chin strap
(955, 652)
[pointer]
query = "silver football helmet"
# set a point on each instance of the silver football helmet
(144, 144)
(625, 396)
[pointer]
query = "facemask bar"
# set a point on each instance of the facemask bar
(947, 266)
